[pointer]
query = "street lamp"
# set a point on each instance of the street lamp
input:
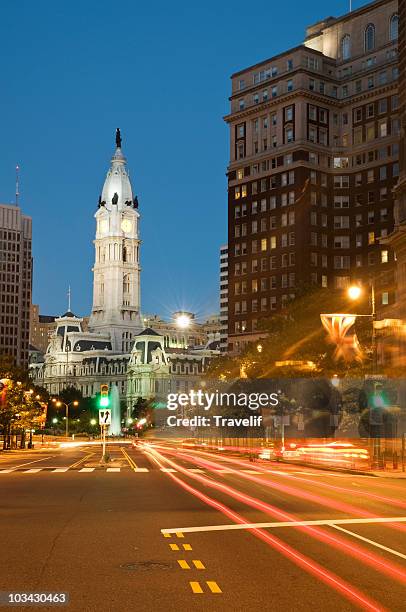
(58, 403)
(183, 320)
(354, 292)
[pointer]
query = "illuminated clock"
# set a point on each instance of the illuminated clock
(126, 225)
(104, 226)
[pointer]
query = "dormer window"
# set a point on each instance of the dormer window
(369, 37)
(346, 47)
(393, 27)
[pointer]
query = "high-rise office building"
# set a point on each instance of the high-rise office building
(223, 297)
(15, 282)
(314, 157)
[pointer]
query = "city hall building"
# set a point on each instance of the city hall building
(101, 353)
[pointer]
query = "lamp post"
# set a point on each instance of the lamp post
(354, 292)
(58, 404)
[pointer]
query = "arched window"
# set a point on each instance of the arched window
(369, 41)
(346, 47)
(393, 27)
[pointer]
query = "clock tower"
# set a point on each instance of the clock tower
(116, 271)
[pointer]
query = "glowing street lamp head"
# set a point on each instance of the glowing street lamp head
(76, 403)
(183, 321)
(54, 420)
(92, 421)
(354, 292)
(59, 404)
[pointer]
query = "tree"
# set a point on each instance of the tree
(296, 337)
(19, 410)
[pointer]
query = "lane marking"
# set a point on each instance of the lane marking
(87, 470)
(224, 471)
(325, 522)
(32, 471)
(85, 458)
(253, 472)
(196, 470)
(6, 471)
(113, 469)
(167, 535)
(372, 542)
(196, 588)
(131, 462)
(198, 564)
(15, 467)
(174, 546)
(179, 534)
(141, 470)
(213, 586)
(184, 564)
(65, 469)
(187, 547)
(168, 470)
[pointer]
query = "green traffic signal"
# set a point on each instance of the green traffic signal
(104, 401)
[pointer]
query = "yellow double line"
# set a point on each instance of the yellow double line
(81, 460)
(132, 463)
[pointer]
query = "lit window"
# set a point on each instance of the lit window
(371, 237)
(384, 256)
(385, 298)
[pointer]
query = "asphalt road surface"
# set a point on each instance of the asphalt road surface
(97, 533)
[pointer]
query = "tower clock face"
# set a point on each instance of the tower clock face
(104, 226)
(126, 225)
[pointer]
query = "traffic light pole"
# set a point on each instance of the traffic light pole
(103, 435)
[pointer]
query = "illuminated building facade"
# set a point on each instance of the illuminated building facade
(314, 158)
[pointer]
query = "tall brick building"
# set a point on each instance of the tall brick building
(15, 282)
(314, 156)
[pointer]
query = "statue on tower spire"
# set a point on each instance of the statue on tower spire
(118, 138)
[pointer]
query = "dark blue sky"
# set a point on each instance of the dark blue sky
(72, 71)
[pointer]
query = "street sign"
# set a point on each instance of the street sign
(104, 417)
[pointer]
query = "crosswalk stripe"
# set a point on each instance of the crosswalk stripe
(140, 470)
(168, 470)
(86, 470)
(32, 471)
(113, 469)
(196, 470)
(59, 470)
(5, 471)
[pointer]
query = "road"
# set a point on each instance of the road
(69, 525)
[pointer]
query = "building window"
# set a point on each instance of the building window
(385, 298)
(346, 47)
(384, 256)
(393, 27)
(369, 37)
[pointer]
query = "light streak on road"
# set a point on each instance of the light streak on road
(350, 592)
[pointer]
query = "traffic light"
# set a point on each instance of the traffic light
(104, 401)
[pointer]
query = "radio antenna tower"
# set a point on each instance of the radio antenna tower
(17, 183)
